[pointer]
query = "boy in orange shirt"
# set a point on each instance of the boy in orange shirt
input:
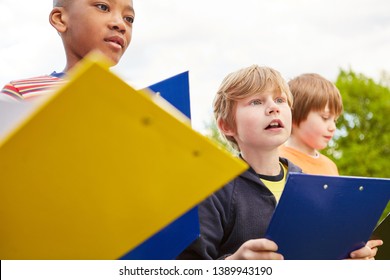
(317, 105)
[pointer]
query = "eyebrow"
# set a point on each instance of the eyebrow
(129, 7)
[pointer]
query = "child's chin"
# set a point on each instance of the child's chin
(112, 60)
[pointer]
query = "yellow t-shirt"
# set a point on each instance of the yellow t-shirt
(276, 186)
(320, 165)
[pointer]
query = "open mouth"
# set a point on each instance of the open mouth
(275, 124)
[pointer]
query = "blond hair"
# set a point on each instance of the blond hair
(312, 92)
(241, 84)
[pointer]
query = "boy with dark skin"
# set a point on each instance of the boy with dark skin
(83, 25)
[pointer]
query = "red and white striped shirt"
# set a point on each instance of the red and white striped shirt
(29, 88)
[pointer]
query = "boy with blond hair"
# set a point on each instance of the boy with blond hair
(84, 26)
(252, 109)
(317, 106)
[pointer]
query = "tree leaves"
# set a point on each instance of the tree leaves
(362, 145)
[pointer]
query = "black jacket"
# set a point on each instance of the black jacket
(238, 212)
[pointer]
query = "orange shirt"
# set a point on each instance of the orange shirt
(321, 165)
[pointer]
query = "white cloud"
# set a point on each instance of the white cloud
(211, 38)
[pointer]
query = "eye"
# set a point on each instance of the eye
(129, 19)
(280, 100)
(255, 102)
(103, 7)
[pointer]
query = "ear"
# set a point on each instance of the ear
(58, 19)
(225, 128)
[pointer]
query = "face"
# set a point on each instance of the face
(263, 121)
(317, 130)
(103, 25)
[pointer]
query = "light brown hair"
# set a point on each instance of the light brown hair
(312, 92)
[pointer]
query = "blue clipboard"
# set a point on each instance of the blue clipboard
(170, 241)
(176, 91)
(326, 217)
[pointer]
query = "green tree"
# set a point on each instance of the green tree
(213, 133)
(362, 144)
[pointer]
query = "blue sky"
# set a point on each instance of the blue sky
(211, 38)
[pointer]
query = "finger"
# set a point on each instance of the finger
(374, 251)
(269, 256)
(262, 244)
(362, 253)
(374, 243)
(263, 255)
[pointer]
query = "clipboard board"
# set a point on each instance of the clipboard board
(382, 231)
(98, 167)
(170, 241)
(326, 217)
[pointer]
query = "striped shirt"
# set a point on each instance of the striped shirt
(25, 89)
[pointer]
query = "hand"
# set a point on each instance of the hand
(257, 249)
(367, 252)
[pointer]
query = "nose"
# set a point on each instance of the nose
(272, 108)
(117, 23)
(332, 126)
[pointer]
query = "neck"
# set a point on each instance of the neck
(263, 162)
(296, 144)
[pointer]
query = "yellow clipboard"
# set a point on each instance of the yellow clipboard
(99, 167)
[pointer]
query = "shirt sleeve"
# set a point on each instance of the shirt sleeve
(213, 220)
(10, 93)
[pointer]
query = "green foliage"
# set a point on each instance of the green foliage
(214, 134)
(362, 145)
